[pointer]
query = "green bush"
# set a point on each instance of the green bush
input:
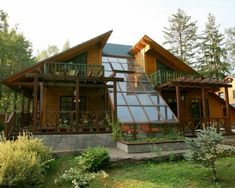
(93, 159)
(205, 149)
(26, 142)
(22, 162)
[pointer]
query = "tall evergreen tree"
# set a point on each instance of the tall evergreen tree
(212, 51)
(181, 37)
(230, 46)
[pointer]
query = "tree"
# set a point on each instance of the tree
(181, 37)
(15, 55)
(212, 51)
(50, 51)
(66, 45)
(230, 46)
(205, 149)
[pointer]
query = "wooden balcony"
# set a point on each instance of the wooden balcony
(73, 69)
(163, 76)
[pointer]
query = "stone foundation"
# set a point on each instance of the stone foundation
(76, 142)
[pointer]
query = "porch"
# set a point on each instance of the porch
(194, 102)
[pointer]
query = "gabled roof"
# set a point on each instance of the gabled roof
(62, 56)
(119, 50)
(172, 61)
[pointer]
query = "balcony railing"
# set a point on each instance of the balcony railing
(162, 76)
(73, 69)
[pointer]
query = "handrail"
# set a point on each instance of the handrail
(163, 76)
(73, 69)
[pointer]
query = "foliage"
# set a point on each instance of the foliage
(15, 55)
(93, 159)
(181, 37)
(205, 149)
(212, 51)
(22, 162)
(26, 142)
(230, 46)
(116, 129)
(79, 178)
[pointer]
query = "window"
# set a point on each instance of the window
(162, 66)
(66, 103)
(82, 104)
(233, 94)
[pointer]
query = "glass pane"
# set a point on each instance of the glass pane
(126, 86)
(107, 73)
(120, 99)
(163, 112)
(122, 60)
(124, 114)
(131, 99)
(128, 67)
(112, 60)
(170, 115)
(157, 100)
(120, 75)
(117, 66)
(138, 114)
(152, 114)
(148, 86)
(144, 99)
(107, 67)
(104, 59)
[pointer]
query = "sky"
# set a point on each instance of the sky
(53, 22)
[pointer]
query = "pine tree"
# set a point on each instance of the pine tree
(230, 46)
(181, 37)
(212, 52)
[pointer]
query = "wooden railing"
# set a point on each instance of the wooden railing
(66, 122)
(190, 126)
(73, 69)
(162, 76)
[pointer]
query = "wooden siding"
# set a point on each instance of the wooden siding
(94, 55)
(150, 62)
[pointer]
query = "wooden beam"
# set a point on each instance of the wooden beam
(228, 115)
(35, 103)
(203, 103)
(77, 101)
(115, 100)
(177, 89)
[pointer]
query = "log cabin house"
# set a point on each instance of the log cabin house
(143, 86)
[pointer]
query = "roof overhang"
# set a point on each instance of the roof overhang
(62, 56)
(152, 47)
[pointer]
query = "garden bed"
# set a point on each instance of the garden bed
(143, 147)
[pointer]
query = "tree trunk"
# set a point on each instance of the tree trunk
(214, 173)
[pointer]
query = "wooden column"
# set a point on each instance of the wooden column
(77, 101)
(41, 104)
(177, 89)
(28, 106)
(115, 99)
(35, 103)
(22, 104)
(228, 115)
(204, 107)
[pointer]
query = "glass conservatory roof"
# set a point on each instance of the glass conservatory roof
(137, 101)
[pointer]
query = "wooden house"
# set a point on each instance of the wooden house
(143, 86)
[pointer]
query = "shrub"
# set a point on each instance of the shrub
(205, 149)
(79, 178)
(116, 129)
(93, 159)
(19, 168)
(22, 162)
(26, 142)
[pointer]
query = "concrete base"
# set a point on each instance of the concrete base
(76, 142)
(151, 147)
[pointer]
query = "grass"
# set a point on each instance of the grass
(179, 174)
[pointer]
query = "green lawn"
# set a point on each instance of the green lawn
(152, 175)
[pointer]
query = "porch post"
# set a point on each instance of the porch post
(115, 99)
(203, 106)
(22, 103)
(77, 101)
(35, 102)
(177, 89)
(228, 115)
(41, 104)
